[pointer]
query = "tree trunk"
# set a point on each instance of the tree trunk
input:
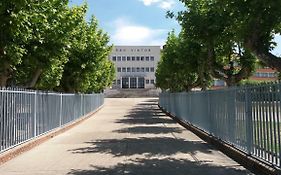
(3, 80)
(34, 79)
(5, 74)
(268, 58)
(254, 44)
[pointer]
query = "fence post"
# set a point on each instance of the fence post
(60, 109)
(35, 115)
(209, 113)
(82, 113)
(232, 115)
(249, 120)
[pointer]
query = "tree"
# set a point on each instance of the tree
(14, 33)
(88, 68)
(179, 68)
(251, 23)
(208, 23)
(258, 23)
(52, 23)
(48, 45)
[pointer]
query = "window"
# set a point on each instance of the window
(114, 58)
(142, 69)
(271, 75)
(133, 83)
(118, 58)
(219, 83)
(141, 83)
(133, 69)
(142, 58)
(124, 69)
(147, 81)
(265, 74)
(125, 83)
(118, 69)
(118, 82)
(123, 58)
(152, 69)
(147, 58)
(147, 69)
(152, 81)
(152, 58)
(133, 58)
(138, 69)
(128, 69)
(128, 58)
(138, 58)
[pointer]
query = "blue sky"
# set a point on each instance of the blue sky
(138, 22)
(134, 22)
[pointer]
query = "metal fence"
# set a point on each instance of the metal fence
(25, 114)
(246, 117)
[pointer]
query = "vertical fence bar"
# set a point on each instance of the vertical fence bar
(60, 122)
(25, 114)
(247, 117)
(249, 120)
(35, 116)
(274, 91)
(278, 110)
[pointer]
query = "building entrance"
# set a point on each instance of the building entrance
(141, 83)
(125, 83)
(133, 83)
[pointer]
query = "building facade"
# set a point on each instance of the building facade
(135, 66)
(265, 74)
(262, 74)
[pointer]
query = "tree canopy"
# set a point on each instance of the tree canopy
(232, 37)
(48, 45)
(178, 69)
(250, 24)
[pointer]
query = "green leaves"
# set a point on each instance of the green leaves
(179, 68)
(88, 68)
(46, 44)
(221, 39)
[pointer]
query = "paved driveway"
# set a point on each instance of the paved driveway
(128, 136)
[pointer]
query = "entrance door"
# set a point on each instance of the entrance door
(141, 83)
(133, 83)
(125, 82)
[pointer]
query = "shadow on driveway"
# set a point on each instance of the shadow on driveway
(153, 154)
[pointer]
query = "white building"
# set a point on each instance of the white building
(135, 66)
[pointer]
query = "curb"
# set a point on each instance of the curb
(36, 141)
(251, 163)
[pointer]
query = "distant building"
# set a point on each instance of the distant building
(264, 74)
(135, 66)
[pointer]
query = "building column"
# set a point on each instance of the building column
(129, 82)
(121, 82)
(137, 82)
(144, 83)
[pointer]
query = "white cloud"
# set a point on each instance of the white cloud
(149, 2)
(128, 33)
(164, 4)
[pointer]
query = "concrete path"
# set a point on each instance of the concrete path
(128, 136)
